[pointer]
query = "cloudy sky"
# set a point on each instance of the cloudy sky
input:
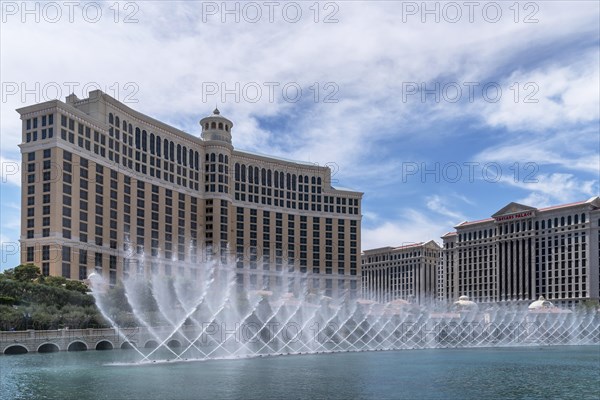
(439, 112)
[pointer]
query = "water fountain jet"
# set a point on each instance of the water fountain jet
(214, 318)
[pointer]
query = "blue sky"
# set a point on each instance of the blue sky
(510, 110)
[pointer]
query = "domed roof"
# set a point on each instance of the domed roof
(464, 303)
(216, 127)
(365, 301)
(399, 302)
(541, 302)
(215, 114)
(263, 293)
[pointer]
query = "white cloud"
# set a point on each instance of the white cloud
(370, 216)
(572, 151)
(368, 55)
(464, 199)
(10, 172)
(9, 251)
(12, 221)
(437, 204)
(171, 55)
(549, 97)
(537, 200)
(556, 188)
(10, 226)
(412, 226)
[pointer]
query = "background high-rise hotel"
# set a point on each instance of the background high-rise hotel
(408, 272)
(108, 189)
(522, 252)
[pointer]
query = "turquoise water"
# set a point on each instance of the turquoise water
(568, 372)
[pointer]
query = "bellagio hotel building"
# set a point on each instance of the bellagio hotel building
(522, 252)
(108, 189)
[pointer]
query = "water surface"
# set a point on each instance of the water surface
(568, 372)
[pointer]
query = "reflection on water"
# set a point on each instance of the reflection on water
(569, 372)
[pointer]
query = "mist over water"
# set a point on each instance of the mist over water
(210, 316)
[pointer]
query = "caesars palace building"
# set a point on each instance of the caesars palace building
(408, 272)
(104, 187)
(522, 252)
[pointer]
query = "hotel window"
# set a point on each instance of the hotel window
(30, 252)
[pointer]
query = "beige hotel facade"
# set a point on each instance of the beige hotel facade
(108, 189)
(523, 252)
(408, 272)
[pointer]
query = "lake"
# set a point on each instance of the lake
(562, 372)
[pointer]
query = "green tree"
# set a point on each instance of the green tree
(55, 281)
(11, 318)
(42, 317)
(31, 300)
(8, 274)
(116, 300)
(9, 301)
(26, 272)
(588, 304)
(77, 286)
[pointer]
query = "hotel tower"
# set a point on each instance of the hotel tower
(523, 252)
(108, 189)
(408, 272)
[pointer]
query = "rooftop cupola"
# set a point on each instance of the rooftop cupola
(216, 127)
